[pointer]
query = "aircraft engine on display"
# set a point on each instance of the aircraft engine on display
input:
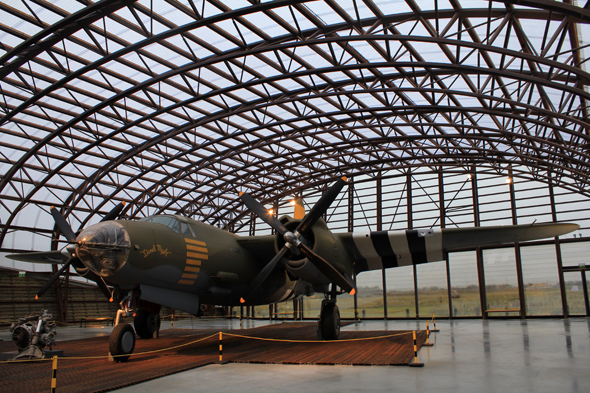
(33, 334)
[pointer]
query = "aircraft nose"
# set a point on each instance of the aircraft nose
(103, 247)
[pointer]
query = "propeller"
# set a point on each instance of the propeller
(295, 241)
(69, 234)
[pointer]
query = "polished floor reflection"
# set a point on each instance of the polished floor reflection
(538, 355)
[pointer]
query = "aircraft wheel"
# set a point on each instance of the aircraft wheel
(330, 322)
(122, 342)
(146, 323)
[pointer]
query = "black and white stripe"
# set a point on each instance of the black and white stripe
(385, 249)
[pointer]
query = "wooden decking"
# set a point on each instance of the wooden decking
(85, 368)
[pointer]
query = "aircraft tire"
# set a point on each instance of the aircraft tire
(146, 323)
(330, 322)
(122, 342)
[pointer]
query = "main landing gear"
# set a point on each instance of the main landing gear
(329, 324)
(146, 322)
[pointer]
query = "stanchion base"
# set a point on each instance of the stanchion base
(416, 364)
(221, 362)
(428, 345)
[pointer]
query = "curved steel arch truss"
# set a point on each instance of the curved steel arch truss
(176, 108)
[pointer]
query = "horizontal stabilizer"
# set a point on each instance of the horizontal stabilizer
(40, 257)
(458, 238)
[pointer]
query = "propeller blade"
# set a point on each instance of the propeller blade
(261, 212)
(326, 269)
(114, 214)
(53, 278)
(100, 282)
(322, 206)
(62, 224)
(103, 287)
(265, 272)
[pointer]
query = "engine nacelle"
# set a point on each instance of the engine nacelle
(320, 240)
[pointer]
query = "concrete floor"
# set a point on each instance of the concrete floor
(539, 355)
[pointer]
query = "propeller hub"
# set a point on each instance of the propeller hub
(291, 238)
(103, 247)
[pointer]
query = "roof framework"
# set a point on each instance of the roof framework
(176, 106)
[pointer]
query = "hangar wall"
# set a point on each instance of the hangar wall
(541, 278)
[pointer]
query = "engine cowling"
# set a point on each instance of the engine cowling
(320, 240)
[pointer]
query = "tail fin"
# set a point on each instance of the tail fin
(299, 212)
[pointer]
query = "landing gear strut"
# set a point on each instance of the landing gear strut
(329, 324)
(122, 338)
(147, 324)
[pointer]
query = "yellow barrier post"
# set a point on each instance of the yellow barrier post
(221, 349)
(434, 324)
(415, 363)
(427, 343)
(54, 375)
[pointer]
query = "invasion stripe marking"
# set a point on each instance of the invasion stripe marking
(189, 276)
(367, 250)
(193, 262)
(186, 282)
(195, 248)
(198, 256)
(417, 247)
(192, 269)
(383, 247)
(197, 242)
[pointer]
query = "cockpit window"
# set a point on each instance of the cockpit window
(186, 229)
(170, 222)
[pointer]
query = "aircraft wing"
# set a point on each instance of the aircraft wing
(385, 249)
(40, 257)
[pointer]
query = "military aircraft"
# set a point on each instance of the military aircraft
(173, 261)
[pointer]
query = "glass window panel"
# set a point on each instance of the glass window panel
(432, 289)
(574, 293)
(261, 311)
(285, 310)
(401, 302)
(369, 295)
(574, 254)
(541, 280)
(464, 284)
(313, 304)
(345, 305)
(501, 281)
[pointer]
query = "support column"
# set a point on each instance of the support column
(442, 212)
(379, 194)
(564, 306)
(410, 220)
(517, 257)
(478, 252)
(351, 229)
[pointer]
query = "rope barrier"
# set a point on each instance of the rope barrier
(54, 358)
(220, 335)
(115, 356)
(316, 341)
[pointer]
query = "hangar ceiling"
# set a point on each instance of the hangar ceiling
(175, 106)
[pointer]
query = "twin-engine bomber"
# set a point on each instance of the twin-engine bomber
(180, 263)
